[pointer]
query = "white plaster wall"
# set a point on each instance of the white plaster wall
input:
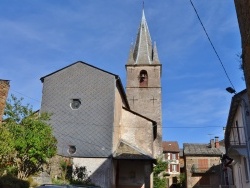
(239, 173)
(99, 170)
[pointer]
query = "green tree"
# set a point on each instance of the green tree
(6, 148)
(33, 140)
(159, 174)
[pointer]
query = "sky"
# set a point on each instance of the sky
(38, 37)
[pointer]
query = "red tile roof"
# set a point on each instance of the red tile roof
(170, 146)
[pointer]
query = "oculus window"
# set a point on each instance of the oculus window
(72, 149)
(75, 104)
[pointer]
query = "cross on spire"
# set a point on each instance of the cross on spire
(133, 99)
(131, 69)
(153, 99)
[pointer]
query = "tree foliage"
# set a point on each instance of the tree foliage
(159, 174)
(33, 142)
(6, 147)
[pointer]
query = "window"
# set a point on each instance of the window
(143, 78)
(238, 132)
(173, 156)
(71, 150)
(75, 104)
(174, 168)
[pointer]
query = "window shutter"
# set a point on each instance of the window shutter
(203, 164)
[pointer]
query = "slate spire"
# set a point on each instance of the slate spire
(143, 52)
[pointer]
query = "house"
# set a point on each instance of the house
(171, 153)
(203, 164)
(236, 161)
(4, 89)
(115, 135)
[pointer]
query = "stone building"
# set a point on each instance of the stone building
(243, 15)
(144, 80)
(171, 153)
(99, 126)
(203, 164)
(4, 89)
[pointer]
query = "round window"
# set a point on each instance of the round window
(72, 150)
(75, 104)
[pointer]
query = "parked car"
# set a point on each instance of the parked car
(53, 186)
(66, 186)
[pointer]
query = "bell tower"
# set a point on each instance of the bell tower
(143, 87)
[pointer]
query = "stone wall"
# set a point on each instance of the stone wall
(209, 173)
(146, 101)
(243, 15)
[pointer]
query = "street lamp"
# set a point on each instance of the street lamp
(231, 90)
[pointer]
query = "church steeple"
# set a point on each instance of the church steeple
(143, 87)
(143, 52)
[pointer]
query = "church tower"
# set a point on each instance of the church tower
(143, 87)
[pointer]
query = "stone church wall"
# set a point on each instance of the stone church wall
(138, 131)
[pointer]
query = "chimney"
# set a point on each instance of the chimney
(217, 144)
(4, 89)
(212, 143)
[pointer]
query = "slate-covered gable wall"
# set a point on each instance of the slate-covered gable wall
(89, 128)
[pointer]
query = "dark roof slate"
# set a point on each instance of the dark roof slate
(127, 151)
(200, 149)
(90, 127)
(119, 85)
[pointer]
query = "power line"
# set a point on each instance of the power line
(103, 125)
(210, 41)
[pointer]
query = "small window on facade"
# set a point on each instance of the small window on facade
(75, 104)
(143, 78)
(174, 168)
(72, 149)
(173, 156)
